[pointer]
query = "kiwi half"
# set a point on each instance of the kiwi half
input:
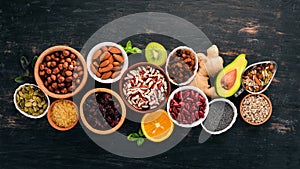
(156, 53)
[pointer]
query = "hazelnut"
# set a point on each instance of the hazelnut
(61, 79)
(50, 88)
(53, 64)
(71, 88)
(66, 65)
(64, 90)
(60, 66)
(66, 52)
(69, 60)
(75, 75)
(54, 85)
(48, 58)
(55, 71)
(48, 64)
(46, 83)
(57, 59)
(48, 71)
(68, 73)
(61, 85)
(77, 81)
(42, 73)
(57, 54)
(57, 91)
(79, 68)
(73, 56)
(62, 61)
(49, 80)
(53, 77)
(80, 73)
(73, 62)
(71, 67)
(42, 66)
(69, 79)
(52, 56)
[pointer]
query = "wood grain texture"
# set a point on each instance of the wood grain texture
(264, 30)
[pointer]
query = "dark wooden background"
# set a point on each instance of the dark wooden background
(264, 30)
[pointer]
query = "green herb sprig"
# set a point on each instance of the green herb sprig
(138, 137)
(25, 66)
(131, 50)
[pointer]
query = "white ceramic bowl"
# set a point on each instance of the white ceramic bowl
(195, 123)
(196, 65)
(89, 61)
(233, 119)
(24, 113)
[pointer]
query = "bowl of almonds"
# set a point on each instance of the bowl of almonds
(255, 109)
(106, 62)
(60, 71)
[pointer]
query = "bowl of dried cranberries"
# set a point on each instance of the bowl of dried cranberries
(102, 111)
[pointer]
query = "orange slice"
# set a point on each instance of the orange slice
(157, 126)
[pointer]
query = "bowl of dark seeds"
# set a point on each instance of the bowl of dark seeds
(221, 116)
(102, 111)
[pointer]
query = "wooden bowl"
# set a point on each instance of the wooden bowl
(40, 82)
(51, 122)
(133, 67)
(265, 119)
(84, 120)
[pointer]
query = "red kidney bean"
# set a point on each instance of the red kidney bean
(187, 106)
(102, 111)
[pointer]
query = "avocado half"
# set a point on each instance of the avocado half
(228, 80)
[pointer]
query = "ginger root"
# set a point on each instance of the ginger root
(209, 66)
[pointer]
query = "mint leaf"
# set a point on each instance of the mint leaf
(133, 137)
(136, 50)
(19, 79)
(129, 45)
(34, 60)
(24, 62)
(140, 133)
(140, 141)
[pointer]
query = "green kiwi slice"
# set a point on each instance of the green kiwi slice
(156, 53)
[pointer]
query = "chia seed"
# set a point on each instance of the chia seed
(219, 117)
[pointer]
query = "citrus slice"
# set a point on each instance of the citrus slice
(156, 53)
(157, 126)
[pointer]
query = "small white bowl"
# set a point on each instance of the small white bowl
(24, 113)
(89, 61)
(233, 119)
(196, 65)
(195, 123)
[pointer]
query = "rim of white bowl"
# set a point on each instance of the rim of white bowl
(196, 65)
(231, 123)
(89, 61)
(24, 113)
(195, 123)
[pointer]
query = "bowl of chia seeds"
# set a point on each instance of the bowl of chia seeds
(221, 116)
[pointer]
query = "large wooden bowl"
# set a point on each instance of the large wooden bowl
(133, 67)
(40, 82)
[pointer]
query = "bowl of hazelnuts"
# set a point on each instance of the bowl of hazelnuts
(60, 71)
